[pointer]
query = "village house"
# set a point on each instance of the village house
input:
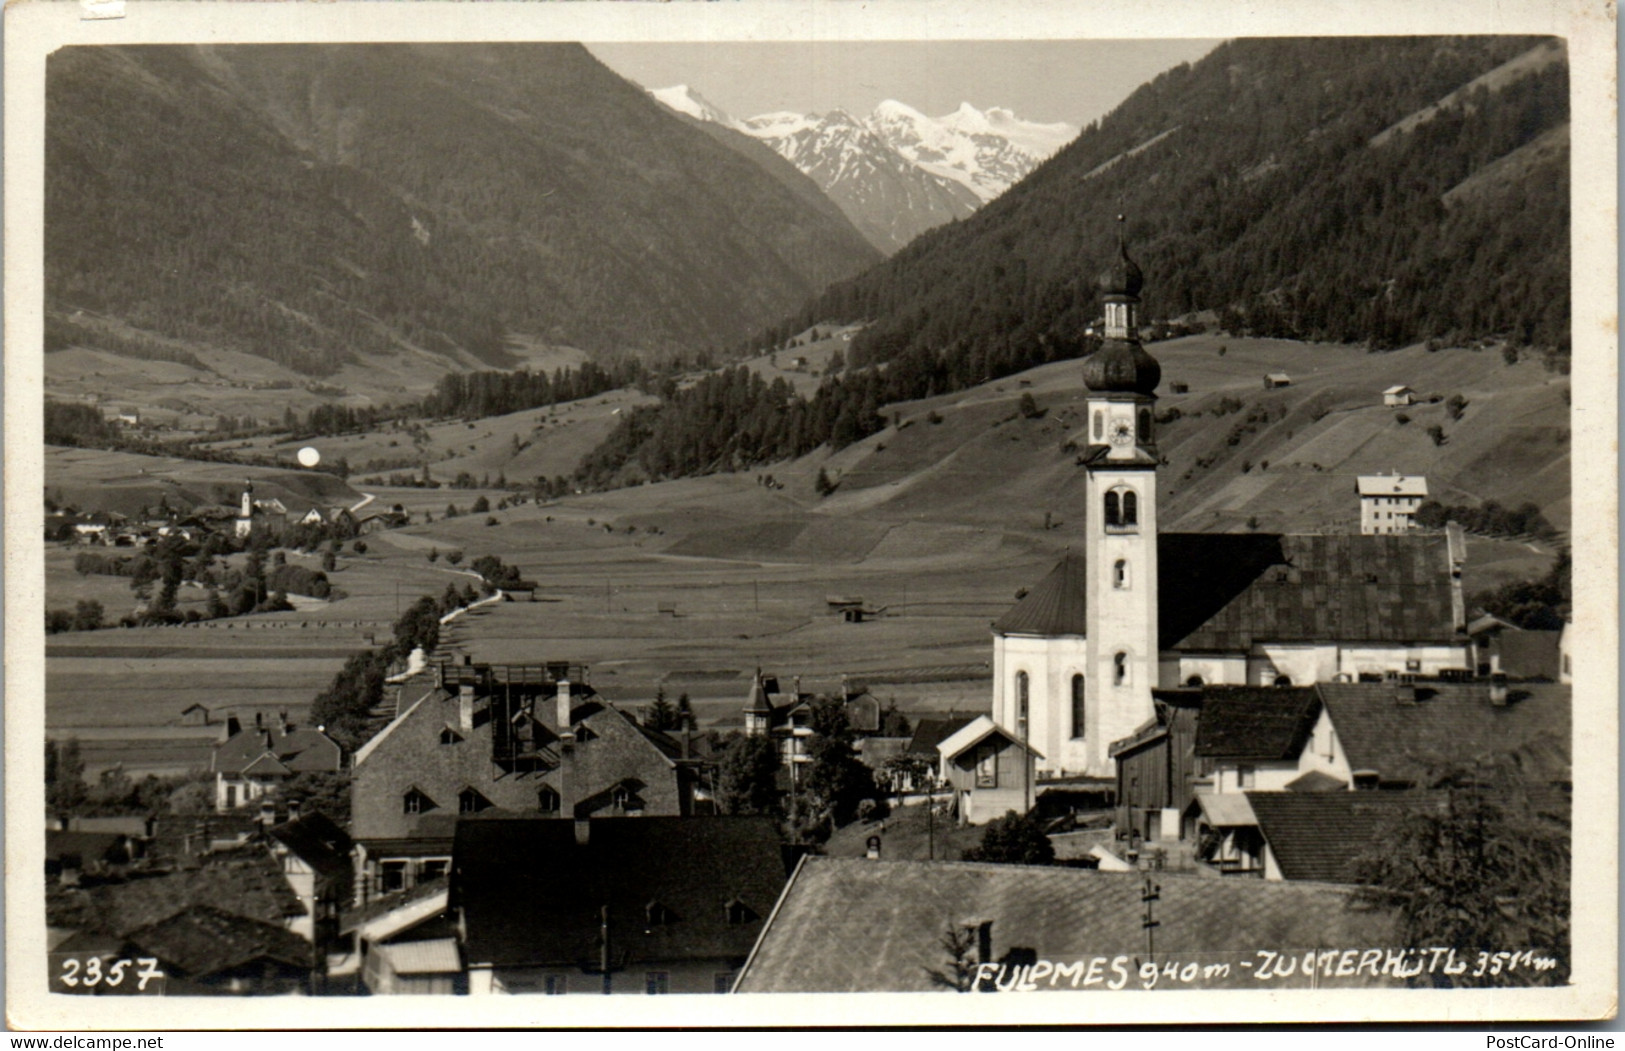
(1276, 380)
(1388, 503)
(846, 925)
(990, 771)
(314, 854)
(520, 738)
(612, 905)
(397, 944)
(206, 951)
(1398, 395)
(787, 719)
(248, 764)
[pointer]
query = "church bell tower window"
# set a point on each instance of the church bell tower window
(1120, 669)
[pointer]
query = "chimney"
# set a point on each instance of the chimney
(267, 813)
(872, 848)
(468, 660)
(234, 726)
(687, 741)
(1498, 689)
(259, 720)
(583, 831)
(564, 708)
(465, 710)
(293, 810)
(284, 722)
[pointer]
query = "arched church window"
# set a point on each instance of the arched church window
(1131, 508)
(1114, 516)
(1145, 425)
(1120, 669)
(1021, 703)
(1100, 425)
(1077, 706)
(1120, 574)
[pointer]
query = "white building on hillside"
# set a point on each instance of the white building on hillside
(1388, 502)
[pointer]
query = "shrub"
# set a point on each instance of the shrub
(1401, 419)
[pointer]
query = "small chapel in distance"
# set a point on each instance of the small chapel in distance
(1075, 661)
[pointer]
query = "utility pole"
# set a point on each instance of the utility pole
(603, 947)
(1150, 896)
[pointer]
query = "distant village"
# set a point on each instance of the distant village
(1198, 750)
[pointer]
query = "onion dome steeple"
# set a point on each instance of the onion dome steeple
(1121, 364)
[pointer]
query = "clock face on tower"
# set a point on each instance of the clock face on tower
(1122, 432)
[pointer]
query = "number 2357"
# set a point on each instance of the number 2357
(86, 974)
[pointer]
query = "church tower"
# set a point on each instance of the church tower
(1120, 541)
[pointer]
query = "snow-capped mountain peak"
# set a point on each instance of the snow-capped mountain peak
(685, 99)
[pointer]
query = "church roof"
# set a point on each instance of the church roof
(1221, 592)
(1057, 606)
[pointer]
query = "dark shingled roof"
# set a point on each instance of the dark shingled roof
(1057, 606)
(202, 940)
(854, 925)
(531, 894)
(1224, 591)
(299, 752)
(318, 842)
(1529, 654)
(1449, 723)
(928, 733)
(1255, 722)
(1320, 835)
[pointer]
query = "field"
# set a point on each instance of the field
(690, 585)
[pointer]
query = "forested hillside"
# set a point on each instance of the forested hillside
(1259, 184)
(315, 203)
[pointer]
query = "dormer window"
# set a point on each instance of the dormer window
(657, 915)
(584, 734)
(471, 802)
(416, 802)
(547, 800)
(739, 913)
(450, 736)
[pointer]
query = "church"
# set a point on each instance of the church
(1075, 661)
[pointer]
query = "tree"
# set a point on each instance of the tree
(330, 561)
(323, 792)
(434, 555)
(1014, 839)
(836, 781)
(87, 615)
(1028, 406)
(1484, 870)
(822, 485)
(747, 775)
(64, 775)
(1437, 434)
(481, 506)
(454, 557)
(959, 942)
(217, 607)
(661, 714)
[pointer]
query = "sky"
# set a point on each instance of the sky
(1076, 81)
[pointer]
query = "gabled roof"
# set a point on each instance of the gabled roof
(974, 733)
(86, 846)
(1056, 606)
(531, 894)
(1398, 388)
(1382, 730)
(267, 765)
(1316, 781)
(1221, 592)
(202, 940)
(1255, 722)
(854, 925)
(931, 732)
(1321, 835)
(318, 842)
(1392, 485)
(298, 752)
